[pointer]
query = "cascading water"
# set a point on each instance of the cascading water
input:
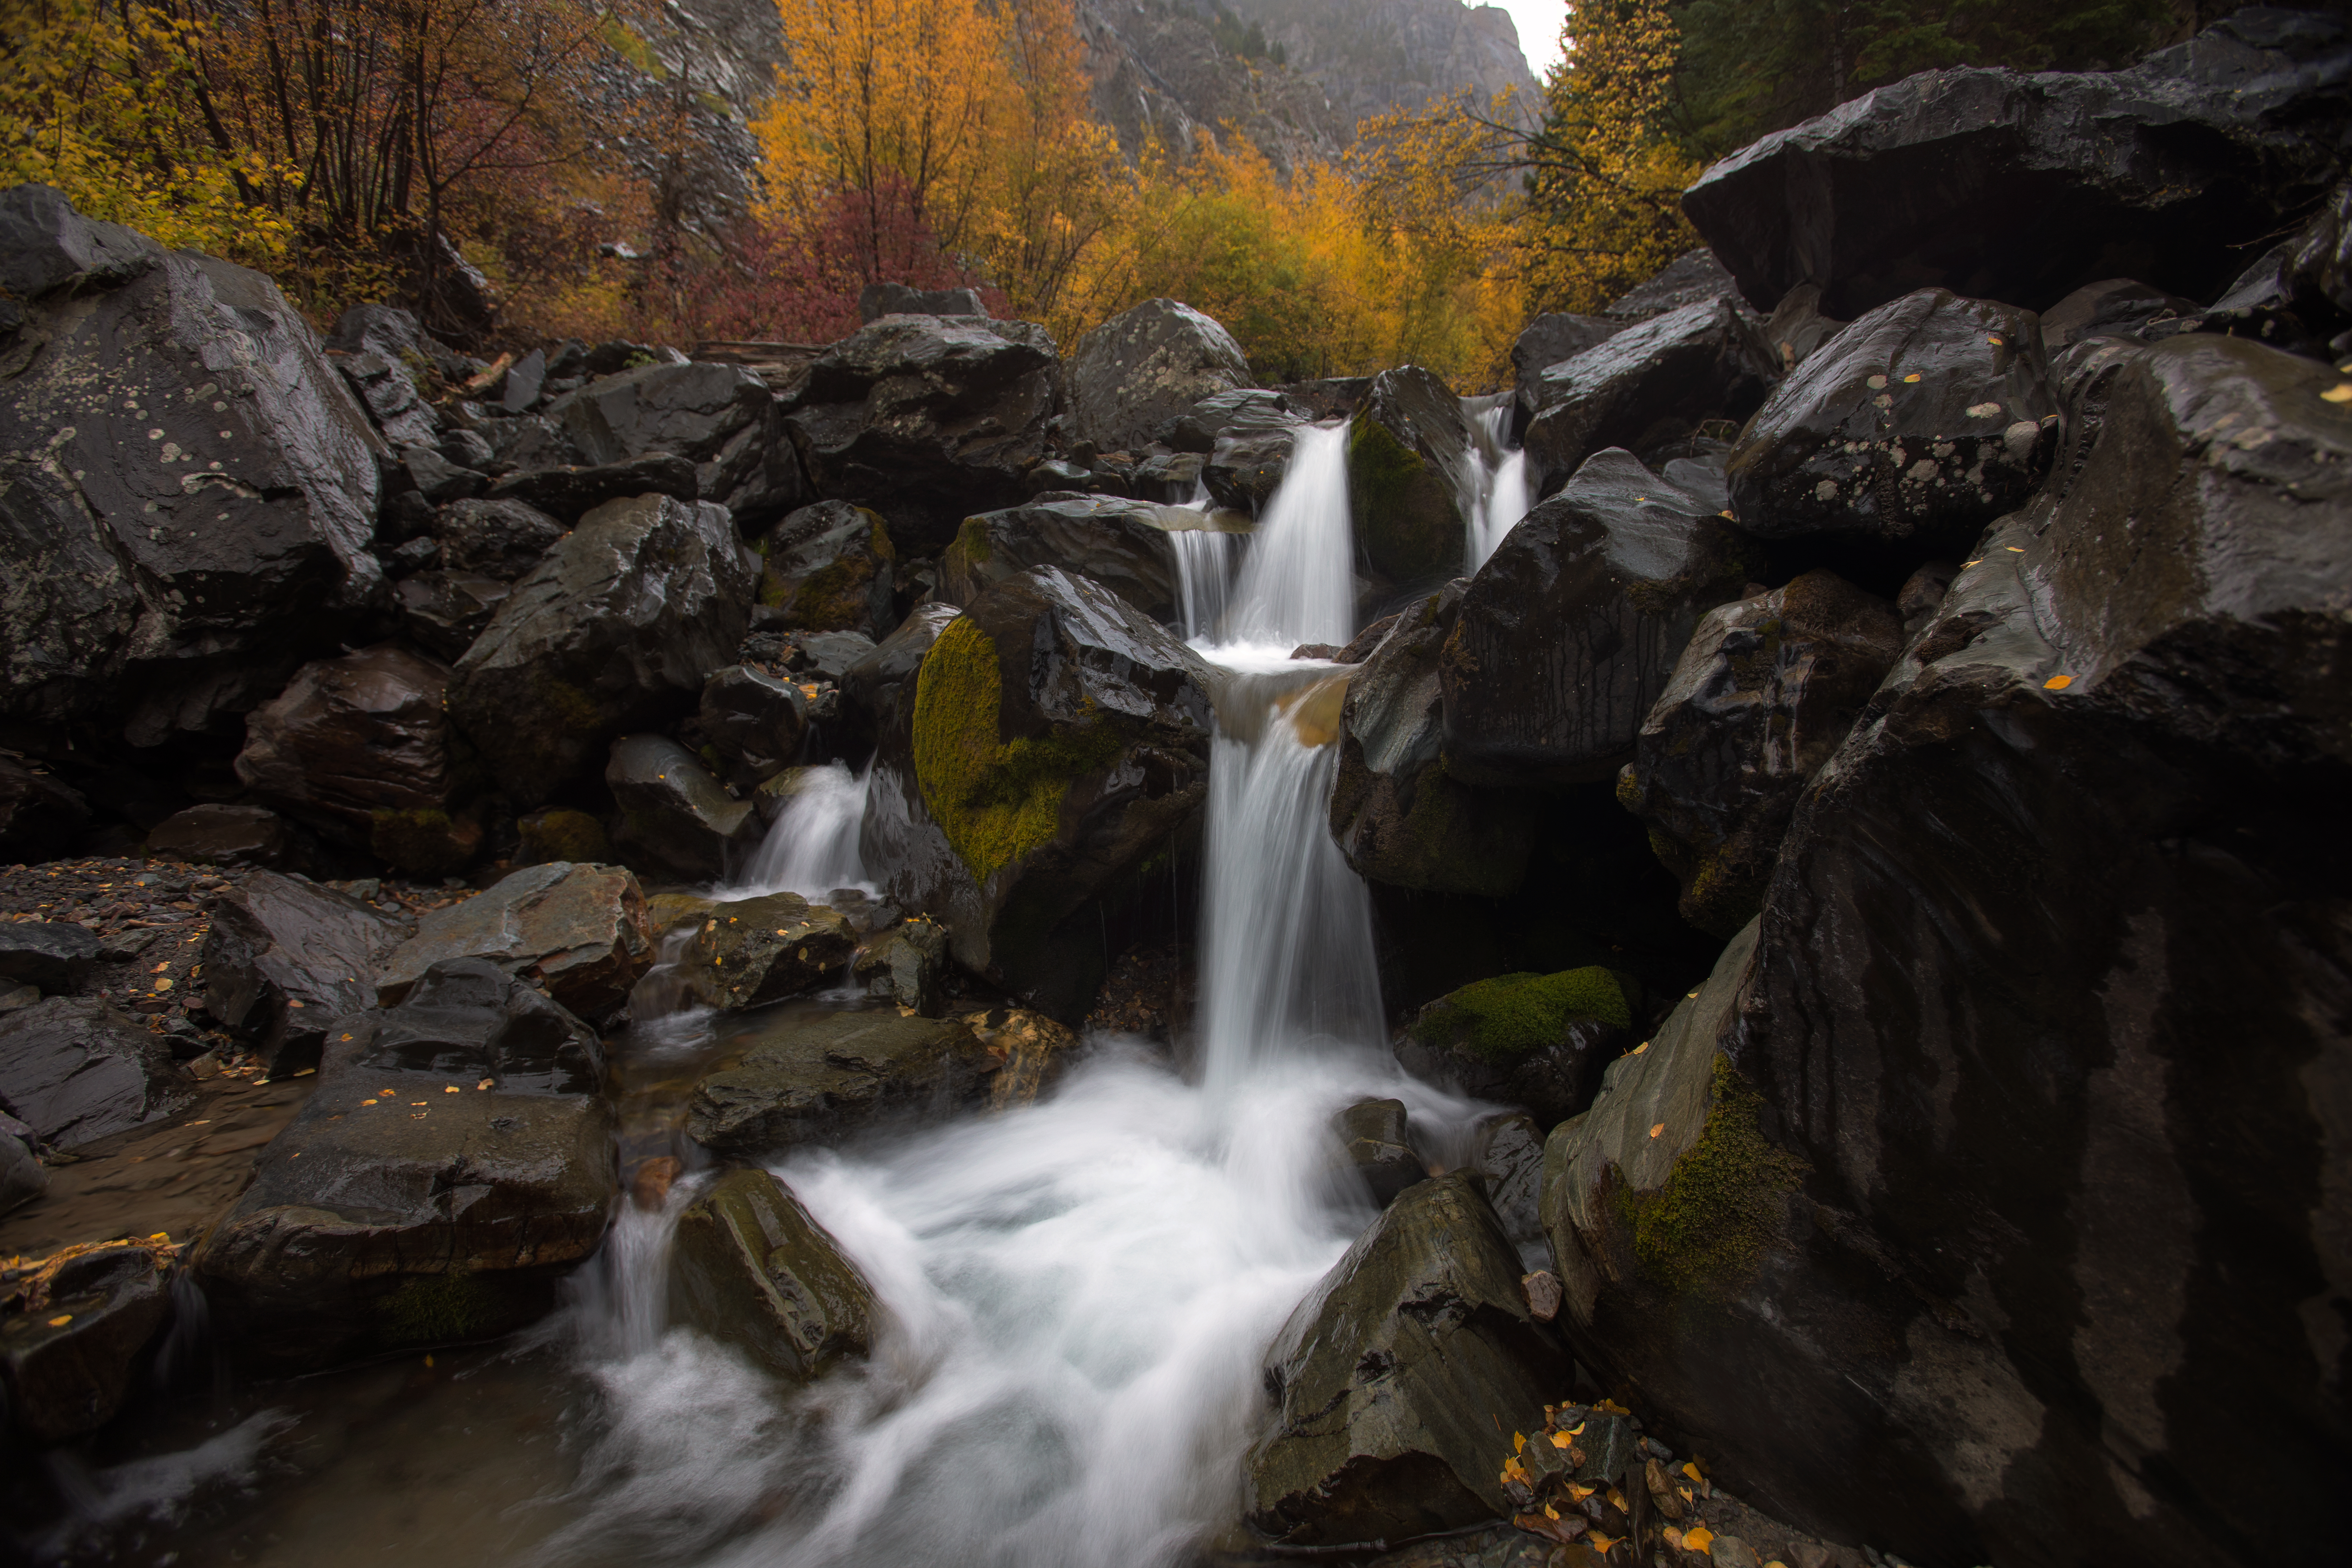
(811, 847)
(1497, 491)
(1298, 583)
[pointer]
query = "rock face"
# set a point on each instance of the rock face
(54, 955)
(501, 539)
(677, 821)
(1059, 740)
(1647, 385)
(1553, 339)
(1537, 1040)
(284, 959)
(2025, 187)
(577, 929)
(407, 1205)
(1147, 365)
(1375, 1147)
(880, 686)
(831, 567)
(749, 1267)
(612, 631)
(818, 1078)
(192, 488)
(1389, 1379)
(756, 950)
(1570, 631)
(1409, 449)
(41, 818)
(1925, 420)
(2079, 837)
(1396, 813)
(1767, 689)
(927, 419)
(360, 746)
(76, 1069)
(1121, 544)
(68, 1366)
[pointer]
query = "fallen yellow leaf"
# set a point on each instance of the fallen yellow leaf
(2340, 392)
(1603, 1543)
(367, 1102)
(1518, 1442)
(1699, 1538)
(1576, 1430)
(1640, 1049)
(1550, 1512)
(1693, 1472)
(1618, 1498)
(1661, 1127)
(450, 1088)
(2058, 683)
(60, 1322)
(1912, 377)
(1579, 1493)
(1673, 1537)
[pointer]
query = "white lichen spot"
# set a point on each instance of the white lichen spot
(1984, 410)
(1826, 490)
(2018, 438)
(1924, 469)
(1877, 384)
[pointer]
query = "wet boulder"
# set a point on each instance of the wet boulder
(1147, 365)
(2111, 308)
(1376, 1149)
(926, 419)
(1408, 451)
(22, 1177)
(501, 539)
(1553, 339)
(213, 835)
(41, 817)
(1695, 277)
(908, 965)
(192, 488)
(677, 821)
(830, 568)
(748, 953)
(1536, 1040)
(1927, 419)
(1572, 630)
(1766, 691)
(880, 685)
(54, 956)
(2024, 187)
(454, 1163)
(445, 611)
(1649, 385)
(576, 930)
(2069, 900)
(877, 300)
(614, 630)
(575, 491)
(76, 1069)
(1508, 1150)
(284, 959)
(1121, 544)
(69, 1352)
(388, 392)
(1397, 1383)
(360, 746)
(751, 1268)
(1399, 818)
(818, 1078)
(1058, 741)
(720, 417)
(754, 720)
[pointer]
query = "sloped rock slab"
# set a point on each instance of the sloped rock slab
(822, 1078)
(752, 1268)
(76, 1069)
(577, 929)
(284, 959)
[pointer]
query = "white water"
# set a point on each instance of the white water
(1299, 582)
(1205, 564)
(1496, 489)
(812, 846)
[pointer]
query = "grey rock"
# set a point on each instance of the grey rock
(1695, 277)
(22, 1177)
(577, 931)
(613, 630)
(752, 1268)
(1553, 339)
(524, 380)
(907, 966)
(389, 393)
(1121, 544)
(54, 955)
(1376, 1150)
(355, 741)
(677, 821)
(45, 244)
(877, 300)
(445, 611)
(819, 1077)
(501, 539)
(748, 953)
(720, 417)
(830, 568)
(2111, 307)
(79, 1070)
(574, 492)
(879, 684)
(1146, 365)
(1508, 1150)
(754, 720)
(284, 959)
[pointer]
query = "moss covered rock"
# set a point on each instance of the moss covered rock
(752, 1267)
(830, 568)
(560, 833)
(1119, 544)
(1407, 449)
(1536, 1040)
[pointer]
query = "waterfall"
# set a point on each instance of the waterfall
(812, 846)
(1299, 582)
(1205, 560)
(1495, 490)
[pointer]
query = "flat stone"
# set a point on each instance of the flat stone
(820, 1078)
(76, 1069)
(577, 929)
(284, 959)
(54, 955)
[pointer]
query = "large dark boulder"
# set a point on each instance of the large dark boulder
(752, 1268)
(284, 959)
(1121, 544)
(1649, 385)
(76, 1069)
(445, 611)
(748, 953)
(388, 392)
(720, 417)
(754, 720)
(818, 1078)
(880, 684)
(1146, 365)
(213, 835)
(1409, 448)
(454, 1161)
(614, 630)
(188, 492)
(1924, 421)
(830, 568)
(877, 300)
(2048, 995)
(677, 821)
(1399, 816)
(1693, 277)
(2019, 187)
(1398, 1382)
(1570, 633)
(67, 1365)
(360, 746)
(576, 930)
(501, 539)
(41, 815)
(1058, 741)
(927, 419)
(1766, 691)
(1553, 339)
(54, 956)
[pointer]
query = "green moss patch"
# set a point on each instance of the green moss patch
(441, 1308)
(1405, 513)
(1504, 1018)
(995, 800)
(1706, 1231)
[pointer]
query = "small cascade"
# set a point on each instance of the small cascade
(812, 848)
(1206, 563)
(1298, 583)
(1495, 490)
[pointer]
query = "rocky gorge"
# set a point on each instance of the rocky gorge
(951, 945)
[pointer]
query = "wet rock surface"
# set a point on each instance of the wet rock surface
(748, 953)
(1408, 447)
(1572, 630)
(1148, 366)
(677, 821)
(752, 1268)
(820, 1078)
(284, 959)
(754, 720)
(577, 929)
(70, 1348)
(231, 835)
(445, 611)
(1121, 544)
(1534, 1040)
(1376, 1149)
(78, 1068)
(51, 956)
(501, 539)
(829, 568)
(1766, 691)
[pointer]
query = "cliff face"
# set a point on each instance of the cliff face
(1371, 56)
(1160, 70)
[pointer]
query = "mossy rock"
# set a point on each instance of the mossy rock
(559, 833)
(995, 800)
(1706, 1231)
(1500, 1020)
(1406, 516)
(424, 840)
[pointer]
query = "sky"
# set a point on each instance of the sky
(1538, 24)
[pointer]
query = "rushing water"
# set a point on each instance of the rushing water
(1496, 488)
(812, 846)
(1077, 1293)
